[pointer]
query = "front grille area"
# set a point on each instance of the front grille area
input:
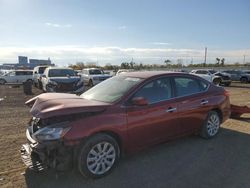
(66, 86)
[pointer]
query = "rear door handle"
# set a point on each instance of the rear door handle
(170, 109)
(203, 102)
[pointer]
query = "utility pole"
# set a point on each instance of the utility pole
(205, 60)
(244, 59)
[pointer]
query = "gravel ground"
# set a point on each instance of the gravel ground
(188, 162)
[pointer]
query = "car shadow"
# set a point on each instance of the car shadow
(246, 119)
(239, 85)
(188, 162)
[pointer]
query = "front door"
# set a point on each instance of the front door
(157, 121)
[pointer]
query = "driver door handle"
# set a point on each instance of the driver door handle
(203, 102)
(170, 109)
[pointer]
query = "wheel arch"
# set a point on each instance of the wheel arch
(219, 113)
(112, 134)
(244, 77)
(3, 80)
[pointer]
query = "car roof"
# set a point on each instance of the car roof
(59, 68)
(92, 69)
(148, 74)
(22, 70)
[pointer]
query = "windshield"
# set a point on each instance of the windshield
(61, 73)
(112, 89)
(212, 71)
(95, 71)
(41, 70)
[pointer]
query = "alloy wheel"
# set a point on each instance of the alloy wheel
(101, 158)
(213, 124)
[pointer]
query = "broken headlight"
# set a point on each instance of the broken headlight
(50, 133)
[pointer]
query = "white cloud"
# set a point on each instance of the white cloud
(115, 55)
(58, 25)
(160, 43)
(122, 27)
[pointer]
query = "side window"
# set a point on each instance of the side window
(201, 72)
(156, 91)
(29, 73)
(188, 86)
(12, 73)
(19, 73)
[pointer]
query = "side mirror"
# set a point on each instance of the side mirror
(140, 101)
(43, 76)
(35, 72)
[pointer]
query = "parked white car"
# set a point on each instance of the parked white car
(37, 75)
(216, 77)
(121, 71)
(93, 76)
(17, 77)
(62, 80)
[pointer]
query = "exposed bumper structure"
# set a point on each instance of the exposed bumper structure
(237, 111)
(31, 159)
(40, 156)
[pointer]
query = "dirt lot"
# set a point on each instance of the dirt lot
(188, 162)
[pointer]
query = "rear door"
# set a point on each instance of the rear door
(193, 102)
(156, 121)
(19, 76)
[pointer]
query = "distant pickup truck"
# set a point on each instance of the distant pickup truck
(93, 76)
(17, 77)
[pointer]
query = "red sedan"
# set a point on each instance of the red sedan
(125, 113)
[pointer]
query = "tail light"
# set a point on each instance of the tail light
(226, 93)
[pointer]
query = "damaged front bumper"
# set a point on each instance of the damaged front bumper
(47, 155)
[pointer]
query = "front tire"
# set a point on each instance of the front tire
(217, 81)
(211, 125)
(98, 156)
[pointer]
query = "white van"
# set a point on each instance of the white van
(16, 77)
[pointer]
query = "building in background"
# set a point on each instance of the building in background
(36, 62)
(22, 60)
(24, 64)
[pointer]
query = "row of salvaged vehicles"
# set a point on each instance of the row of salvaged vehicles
(59, 79)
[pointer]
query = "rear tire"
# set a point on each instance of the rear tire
(29, 80)
(211, 125)
(243, 80)
(2, 81)
(98, 156)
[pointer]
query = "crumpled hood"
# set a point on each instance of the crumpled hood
(56, 104)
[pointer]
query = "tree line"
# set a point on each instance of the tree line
(220, 62)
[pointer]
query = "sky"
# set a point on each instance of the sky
(115, 31)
